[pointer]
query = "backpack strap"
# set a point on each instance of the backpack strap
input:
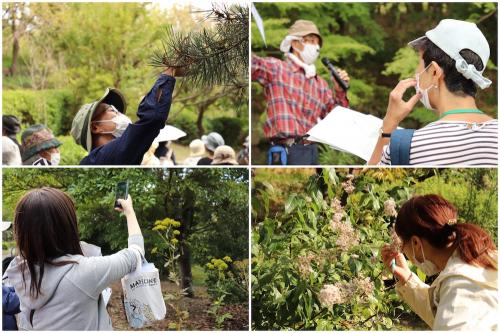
(400, 146)
(277, 149)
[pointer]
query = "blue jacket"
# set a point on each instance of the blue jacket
(129, 149)
(10, 307)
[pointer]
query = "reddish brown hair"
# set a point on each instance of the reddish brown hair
(434, 218)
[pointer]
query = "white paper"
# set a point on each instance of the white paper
(259, 23)
(349, 131)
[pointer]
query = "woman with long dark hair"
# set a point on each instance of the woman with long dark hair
(58, 287)
(465, 293)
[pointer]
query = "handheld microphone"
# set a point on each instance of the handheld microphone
(336, 76)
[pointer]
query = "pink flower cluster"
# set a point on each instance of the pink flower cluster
(343, 292)
(390, 208)
(347, 184)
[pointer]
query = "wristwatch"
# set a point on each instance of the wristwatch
(384, 135)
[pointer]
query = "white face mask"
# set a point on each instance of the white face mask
(424, 92)
(55, 158)
(310, 53)
(121, 122)
(426, 266)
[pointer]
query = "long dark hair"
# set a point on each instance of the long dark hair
(45, 228)
(434, 218)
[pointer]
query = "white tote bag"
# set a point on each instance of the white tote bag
(143, 299)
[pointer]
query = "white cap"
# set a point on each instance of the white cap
(453, 36)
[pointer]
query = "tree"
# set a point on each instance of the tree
(211, 204)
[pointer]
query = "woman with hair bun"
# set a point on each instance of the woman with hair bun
(464, 296)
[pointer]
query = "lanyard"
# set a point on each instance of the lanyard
(459, 111)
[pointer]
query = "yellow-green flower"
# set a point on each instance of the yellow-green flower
(210, 266)
(227, 259)
(159, 228)
(174, 240)
(177, 232)
(154, 250)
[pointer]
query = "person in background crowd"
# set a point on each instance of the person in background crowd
(243, 153)
(211, 141)
(39, 146)
(10, 127)
(224, 155)
(196, 151)
(10, 152)
(165, 153)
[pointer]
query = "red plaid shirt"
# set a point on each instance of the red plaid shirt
(294, 103)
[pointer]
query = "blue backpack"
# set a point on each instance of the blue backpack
(400, 146)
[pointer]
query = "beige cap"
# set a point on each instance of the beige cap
(224, 155)
(303, 28)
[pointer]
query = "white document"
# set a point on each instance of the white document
(347, 130)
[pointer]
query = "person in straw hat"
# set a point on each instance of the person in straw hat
(296, 96)
(224, 155)
(110, 137)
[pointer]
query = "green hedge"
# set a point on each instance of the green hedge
(54, 108)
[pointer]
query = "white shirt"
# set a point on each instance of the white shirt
(463, 297)
(452, 143)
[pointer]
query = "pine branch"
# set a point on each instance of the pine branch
(215, 56)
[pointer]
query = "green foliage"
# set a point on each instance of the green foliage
(323, 236)
(215, 56)
(71, 152)
(229, 128)
(186, 121)
(49, 107)
(403, 64)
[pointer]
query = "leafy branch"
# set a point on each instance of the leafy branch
(211, 56)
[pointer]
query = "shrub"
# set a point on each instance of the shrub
(229, 128)
(227, 280)
(54, 108)
(71, 152)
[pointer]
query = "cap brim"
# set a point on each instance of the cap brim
(415, 42)
(114, 97)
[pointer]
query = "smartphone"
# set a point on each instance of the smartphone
(121, 192)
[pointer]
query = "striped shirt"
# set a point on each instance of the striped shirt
(452, 143)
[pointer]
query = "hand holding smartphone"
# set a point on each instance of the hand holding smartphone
(121, 192)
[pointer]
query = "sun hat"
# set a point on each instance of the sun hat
(80, 128)
(224, 155)
(298, 30)
(35, 139)
(212, 141)
(196, 148)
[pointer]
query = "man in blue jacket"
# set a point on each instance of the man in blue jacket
(110, 137)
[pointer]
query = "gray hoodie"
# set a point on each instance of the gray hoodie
(70, 294)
